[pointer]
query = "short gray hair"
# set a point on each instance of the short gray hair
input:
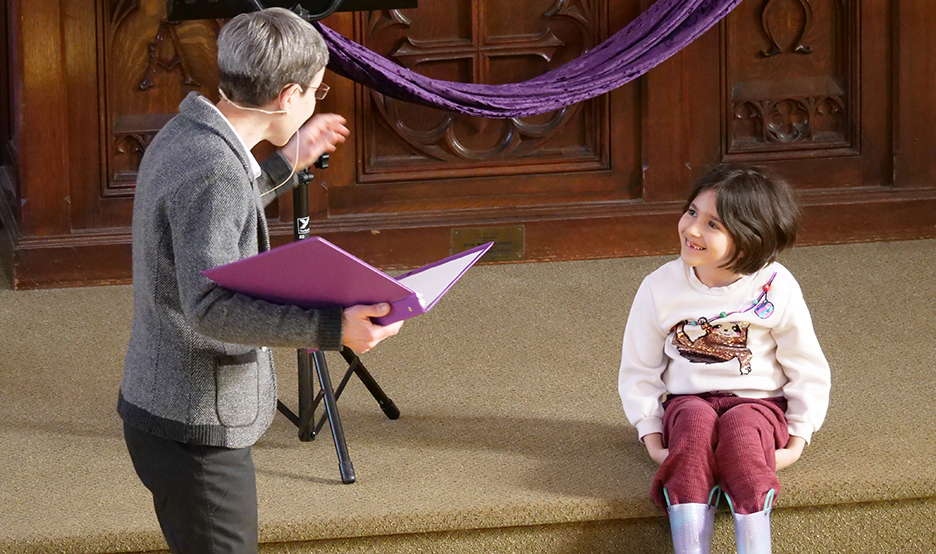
(260, 53)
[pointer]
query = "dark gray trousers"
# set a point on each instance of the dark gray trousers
(205, 496)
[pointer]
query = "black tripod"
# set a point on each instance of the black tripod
(308, 359)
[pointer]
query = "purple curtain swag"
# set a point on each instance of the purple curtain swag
(655, 35)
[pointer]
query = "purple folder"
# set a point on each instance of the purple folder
(314, 273)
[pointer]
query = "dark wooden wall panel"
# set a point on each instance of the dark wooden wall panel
(84, 107)
(9, 231)
(6, 107)
(837, 96)
(915, 110)
(41, 130)
(793, 93)
(414, 158)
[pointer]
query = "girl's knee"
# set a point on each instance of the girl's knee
(745, 416)
(691, 411)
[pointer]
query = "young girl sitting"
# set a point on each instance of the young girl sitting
(721, 372)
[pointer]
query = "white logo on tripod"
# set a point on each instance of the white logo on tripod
(303, 225)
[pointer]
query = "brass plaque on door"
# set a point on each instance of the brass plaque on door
(508, 242)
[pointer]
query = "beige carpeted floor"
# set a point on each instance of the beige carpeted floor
(510, 414)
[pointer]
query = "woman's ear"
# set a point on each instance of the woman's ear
(286, 96)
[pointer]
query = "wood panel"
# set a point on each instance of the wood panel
(41, 131)
(9, 231)
(416, 159)
(6, 107)
(808, 94)
(838, 96)
(915, 108)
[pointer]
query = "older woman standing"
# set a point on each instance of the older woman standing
(197, 389)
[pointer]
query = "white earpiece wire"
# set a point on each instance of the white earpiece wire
(291, 173)
(248, 108)
(238, 106)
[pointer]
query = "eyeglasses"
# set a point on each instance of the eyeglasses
(322, 91)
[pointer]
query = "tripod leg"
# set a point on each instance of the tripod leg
(334, 422)
(283, 409)
(306, 406)
(387, 405)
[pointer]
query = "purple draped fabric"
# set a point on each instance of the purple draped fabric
(655, 35)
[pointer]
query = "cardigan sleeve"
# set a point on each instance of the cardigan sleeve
(277, 177)
(208, 221)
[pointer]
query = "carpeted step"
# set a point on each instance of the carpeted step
(511, 438)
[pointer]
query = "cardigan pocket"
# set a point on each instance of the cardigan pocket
(237, 386)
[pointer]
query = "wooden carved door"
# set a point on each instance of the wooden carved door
(418, 176)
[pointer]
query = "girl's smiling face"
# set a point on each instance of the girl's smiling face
(706, 244)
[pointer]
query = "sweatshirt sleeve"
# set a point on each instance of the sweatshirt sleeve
(805, 367)
(640, 381)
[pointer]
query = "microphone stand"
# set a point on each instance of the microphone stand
(308, 359)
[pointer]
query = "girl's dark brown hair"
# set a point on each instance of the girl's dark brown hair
(758, 210)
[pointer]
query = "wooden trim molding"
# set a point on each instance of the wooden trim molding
(599, 230)
(68, 261)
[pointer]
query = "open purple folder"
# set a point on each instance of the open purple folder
(314, 273)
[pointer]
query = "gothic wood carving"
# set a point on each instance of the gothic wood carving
(173, 58)
(119, 11)
(768, 26)
(432, 137)
(156, 62)
(132, 134)
(783, 103)
(808, 121)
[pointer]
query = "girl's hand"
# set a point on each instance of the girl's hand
(654, 444)
(792, 452)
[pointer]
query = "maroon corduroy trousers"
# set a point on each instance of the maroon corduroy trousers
(724, 440)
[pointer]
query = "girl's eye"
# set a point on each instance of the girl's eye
(691, 212)
(713, 225)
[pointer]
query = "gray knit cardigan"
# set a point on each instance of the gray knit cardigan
(193, 372)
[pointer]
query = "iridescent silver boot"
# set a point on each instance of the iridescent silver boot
(692, 525)
(752, 531)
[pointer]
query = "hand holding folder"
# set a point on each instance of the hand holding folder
(314, 273)
(358, 330)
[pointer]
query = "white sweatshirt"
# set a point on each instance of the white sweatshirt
(751, 351)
